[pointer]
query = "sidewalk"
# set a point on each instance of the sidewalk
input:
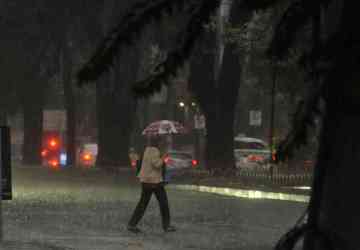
(235, 188)
(29, 245)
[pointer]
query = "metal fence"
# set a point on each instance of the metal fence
(276, 175)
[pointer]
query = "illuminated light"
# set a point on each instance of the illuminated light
(302, 188)
(44, 153)
(63, 159)
(53, 143)
(273, 156)
(244, 193)
(255, 158)
(87, 157)
(193, 104)
(194, 163)
(54, 164)
(133, 163)
(182, 104)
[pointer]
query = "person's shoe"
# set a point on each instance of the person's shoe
(170, 229)
(134, 229)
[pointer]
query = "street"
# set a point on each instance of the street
(88, 210)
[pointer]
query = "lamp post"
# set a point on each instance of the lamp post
(185, 107)
(272, 115)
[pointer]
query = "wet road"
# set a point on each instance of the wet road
(88, 210)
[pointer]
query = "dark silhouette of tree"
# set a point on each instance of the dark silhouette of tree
(9, 99)
(201, 12)
(115, 105)
(332, 63)
(29, 60)
(217, 93)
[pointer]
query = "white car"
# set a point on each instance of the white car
(180, 160)
(251, 153)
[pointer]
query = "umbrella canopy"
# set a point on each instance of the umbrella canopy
(164, 127)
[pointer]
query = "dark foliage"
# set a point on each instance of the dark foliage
(177, 57)
(305, 116)
(128, 29)
(134, 22)
(316, 61)
(258, 4)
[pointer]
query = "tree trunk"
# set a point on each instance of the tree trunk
(114, 129)
(70, 107)
(338, 217)
(220, 142)
(115, 102)
(108, 125)
(33, 126)
(116, 113)
(218, 98)
(126, 75)
(334, 211)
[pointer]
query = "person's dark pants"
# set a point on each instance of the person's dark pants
(147, 190)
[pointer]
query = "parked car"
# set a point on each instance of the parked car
(87, 154)
(251, 153)
(178, 161)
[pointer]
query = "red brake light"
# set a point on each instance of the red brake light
(194, 163)
(255, 158)
(87, 157)
(273, 156)
(54, 163)
(44, 153)
(53, 143)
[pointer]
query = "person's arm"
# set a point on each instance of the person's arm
(156, 160)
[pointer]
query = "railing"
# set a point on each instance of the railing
(276, 175)
(274, 178)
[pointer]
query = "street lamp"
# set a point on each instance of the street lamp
(272, 113)
(181, 104)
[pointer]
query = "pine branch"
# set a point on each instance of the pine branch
(296, 16)
(177, 57)
(303, 119)
(125, 33)
(258, 4)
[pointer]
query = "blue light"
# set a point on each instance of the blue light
(63, 158)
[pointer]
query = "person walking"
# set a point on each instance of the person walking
(151, 179)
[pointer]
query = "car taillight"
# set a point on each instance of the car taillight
(194, 163)
(255, 158)
(273, 156)
(54, 163)
(44, 153)
(87, 157)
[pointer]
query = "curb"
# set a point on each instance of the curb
(244, 193)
